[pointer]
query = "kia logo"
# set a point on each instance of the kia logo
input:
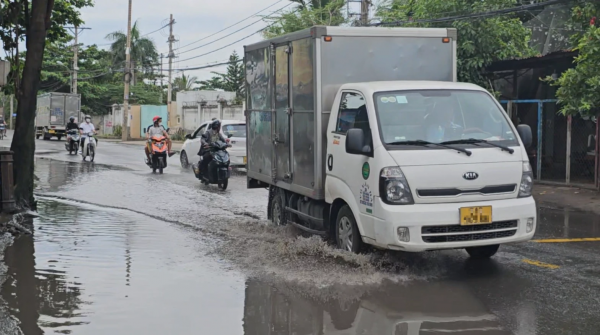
(470, 175)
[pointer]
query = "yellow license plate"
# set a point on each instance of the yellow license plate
(51, 131)
(475, 215)
(245, 160)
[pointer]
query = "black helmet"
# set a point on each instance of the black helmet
(215, 124)
(72, 118)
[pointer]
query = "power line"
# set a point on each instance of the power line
(157, 30)
(251, 24)
(235, 24)
(221, 48)
(475, 15)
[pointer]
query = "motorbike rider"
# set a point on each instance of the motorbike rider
(85, 128)
(156, 129)
(213, 134)
(72, 125)
(3, 122)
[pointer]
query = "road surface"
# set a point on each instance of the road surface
(118, 250)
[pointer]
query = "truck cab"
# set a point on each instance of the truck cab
(427, 165)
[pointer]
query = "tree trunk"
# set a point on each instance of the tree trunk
(23, 144)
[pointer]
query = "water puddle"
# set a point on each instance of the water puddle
(89, 270)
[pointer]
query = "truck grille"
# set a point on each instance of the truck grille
(464, 229)
(468, 237)
(452, 192)
(436, 234)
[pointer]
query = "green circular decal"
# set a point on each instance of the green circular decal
(366, 170)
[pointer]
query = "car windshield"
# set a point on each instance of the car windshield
(438, 116)
(235, 130)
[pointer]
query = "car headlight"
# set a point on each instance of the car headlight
(526, 181)
(393, 187)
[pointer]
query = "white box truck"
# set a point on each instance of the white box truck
(53, 113)
(363, 134)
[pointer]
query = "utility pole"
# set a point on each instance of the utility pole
(128, 74)
(161, 79)
(364, 12)
(75, 30)
(170, 56)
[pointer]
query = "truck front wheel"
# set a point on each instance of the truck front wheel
(483, 252)
(347, 236)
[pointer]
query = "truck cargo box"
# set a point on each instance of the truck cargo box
(53, 112)
(292, 81)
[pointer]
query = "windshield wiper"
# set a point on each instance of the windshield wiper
(475, 141)
(425, 143)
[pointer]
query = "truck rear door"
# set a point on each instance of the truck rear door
(281, 135)
(57, 110)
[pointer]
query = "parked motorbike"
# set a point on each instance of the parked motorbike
(72, 144)
(158, 154)
(218, 170)
(2, 131)
(89, 147)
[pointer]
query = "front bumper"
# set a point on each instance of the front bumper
(511, 216)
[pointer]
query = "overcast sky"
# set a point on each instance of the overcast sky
(194, 19)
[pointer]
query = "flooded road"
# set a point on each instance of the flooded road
(118, 250)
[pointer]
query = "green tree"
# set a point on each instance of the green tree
(481, 41)
(579, 87)
(306, 15)
(234, 78)
(214, 83)
(35, 22)
(143, 50)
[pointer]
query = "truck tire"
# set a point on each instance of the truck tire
(37, 136)
(277, 214)
(347, 235)
(483, 252)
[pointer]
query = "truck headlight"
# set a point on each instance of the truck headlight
(393, 187)
(526, 181)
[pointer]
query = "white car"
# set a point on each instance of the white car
(235, 130)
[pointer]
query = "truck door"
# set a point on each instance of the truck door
(355, 171)
(281, 135)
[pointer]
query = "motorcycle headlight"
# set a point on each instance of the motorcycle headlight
(526, 185)
(394, 188)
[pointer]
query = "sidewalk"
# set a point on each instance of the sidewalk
(567, 197)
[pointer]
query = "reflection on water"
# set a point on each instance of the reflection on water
(417, 308)
(88, 270)
(566, 223)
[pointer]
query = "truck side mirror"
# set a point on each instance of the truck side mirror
(355, 143)
(525, 135)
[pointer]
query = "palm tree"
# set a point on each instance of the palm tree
(184, 83)
(143, 50)
(311, 4)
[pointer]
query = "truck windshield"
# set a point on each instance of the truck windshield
(439, 116)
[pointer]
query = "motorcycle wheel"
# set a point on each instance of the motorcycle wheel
(92, 153)
(224, 184)
(161, 165)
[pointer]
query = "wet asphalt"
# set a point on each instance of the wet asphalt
(118, 250)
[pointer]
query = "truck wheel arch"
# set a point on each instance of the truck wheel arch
(336, 206)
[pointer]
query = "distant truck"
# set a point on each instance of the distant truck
(53, 113)
(363, 134)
